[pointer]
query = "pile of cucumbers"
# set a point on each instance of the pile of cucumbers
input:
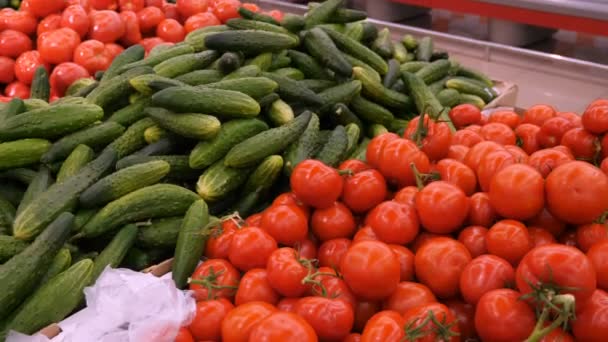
(133, 167)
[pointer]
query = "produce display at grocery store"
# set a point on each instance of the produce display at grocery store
(306, 177)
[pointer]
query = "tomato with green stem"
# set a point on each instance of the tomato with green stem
(239, 322)
(507, 117)
(371, 269)
(334, 222)
(327, 282)
(499, 133)
(287, 224)
(286, 271)
(207, 322)
(14, 43)
(500, 316)
(406, 261)
(289, 198)
(517, 192)
(385, 325)
(364, 190)
(255, 287)
(251, 247)
(464, 115)
(445, 198)
(432, 137)
(396, 160)
(598, 255)
(431, 322)
(214, 278)
(408, 295)
(316, 184)
(332, 319)
(331, 252)
(393, 222)
(354, 165)
(219, 241)
(484, 274)
(474, 239)
(283, 326)
(538, 114)
(481, 211)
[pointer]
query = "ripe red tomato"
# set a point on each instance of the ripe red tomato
(151, 43)
(332, 319)
(574, 118)
(408, 295)
(458, 152)
(207, 322)
(50, 23)
(220, 239)
(443, 328)
(465, 315)
(210, 275)
(499, 133)
(552, 131)
(586, 188)
(538, 114)
(58, 46)
(226, 9)
(65, 74)
(393, 222)
(17, 89)
(331, 252)
(595, 119)
(131, 5)
(104, 5)
(201, 20)
(287, 224)
(306, 248)
(501, 316)
(364, 190)
(466, 137)
(92, 55)
(589, 234)
(507, 117)
(546, 160)
(591, 323)
(106, 26)
(184, 335)
(540, 236)
(132, 33)
(598, 102)
(464, 115)
(288, 304)
(288, 198)
(481, 212)
(283, 326)
(457, 173)
(239, 322)
(490, 165)
(483, 274)
(385, 325)
(598, 255)
(581, 142)
(7, 70)
(557, 265)
(371, 269)
(474, 239)
(508, 239)
(42, 8)
(188, 8)
(434, 138)
(406, 196)
(445, 198)
(329, 284)
(21, 21)
(171, 30)
(286, 271)
(354, 165)
(406, 262)
(276, 14)
(26, 65)
(251, 247)
(316, 184)
(14, 43)
(517, 192)
(365, 234)
(547, 221)
(255, 287)
(376, 146)
(477, 152)
(565, 150)
(439, 263)
(334, 222)
(396, 162)
(476, 128)
(527, 137)
(518, 153)
(251, 6)
(149, 18)
(76, 18)
(354, 337)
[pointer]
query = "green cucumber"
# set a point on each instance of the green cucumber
(409, 42)
(179, 168)
(246, 204)
(262, 61)
(359, 152)
(256, 87)
(40, 88)
(279, 60)
(189, 125)
(96, 137)
(267, 100)
(244, 71)
(413, 66)
(248, 24)
(333, 151)
(81, 217)
(205, 153)
(13, 107)
(424, 99)
(131, 54)
(383, 44)
(7, 215)
(160, 200)
(448, 97)
(184, 64)
(148, 84)
(131, 113)
(22, 152)
(78, 86)
(113, 254)
(472, 99)
(467, 86)
(375, 130)
(322, 13)
(23, 175)
(132, 139)
(354, 31)
(229, 62)
(356, 62)
(273, 141)
(343, 15)
(151, 61)
(292, 90)
(292, 73)
(12, 191)
(199, 77)
(371, 112)
(308, 65)
(280, 113)
(196, 38)
(54, 300)
(61, 262)
(293, 22)
(398, 126)
(162, 146)
(124, 181)
(207, 100)
(20, 275)
(317, 85)
(438, 86)
(393, 74)
(159, 233)
(81, 156)
(304, 147)
(353, 132)
(399, 86)
(342, 115)
(250, 41)
(400, 52)
(265, 175)
(9, 247)
(377, 92)
(434, 71)
(38, 185)
(424, 49)
(154, 133)
(321, 46)
(190, 242)
(60, 197)
(476, 75)
(137, 259)
(117, 88)
(51, 122)
(342, 93)
(259, 17)
(219, 180)
(370, 32)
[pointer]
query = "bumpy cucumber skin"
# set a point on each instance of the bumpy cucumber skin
(115, 251)
(161, 233)
(22, 152)
(332, 153)
(190, 242)
(304, 147)
(81, 155)
(9, 247)
(189, 125)
(320, 46)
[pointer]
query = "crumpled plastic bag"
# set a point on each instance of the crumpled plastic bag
(125, 306)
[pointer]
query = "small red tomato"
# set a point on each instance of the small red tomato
(406, 261)
(481, 212)
(331, 252)
(499, 133)
(464, 115)
(7, 70)
(14, 43)
(364, 190)
(598, 255)
(540, 236)
(92, 55)
(239, 322)
(546, 160)
(226, 9)
(65, 74)
(132, 32)
(207, 322)
(527, 136)
(251, 247)
(466, 137)
(508, 239)
(41, 8)
(517, 192)
(445, 198)
(484, 274)
(149, 18)
(396, 161)
(283, 326)
(501, 316)
(332, 319)
(255, 287)
(21, 21)
(201, 20)
(188, 8)
(458, 152)
(434, 138)
(394, 222)
(334, 222)
(507, 117)
(76, 18)
(443, 325)
(287, 224)
(581, 142)
(17, 89)
(26, 65)
(385, 325)
(477, 152)
(150, 43)
(406, 196)
(474, 239)
(131, 5)
(286, 272)
(589, 234)
(214, 278)
(595, 119)
(106, 26)
(316, 184)
(170, 30)
(591, 323)
(538, 114)
(408, 295)
(552, 131)
(457, 173)
(491, 164)
(50, 23)
(58, 46)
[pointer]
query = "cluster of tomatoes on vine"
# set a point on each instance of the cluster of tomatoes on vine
(76, 38)
(487, 233)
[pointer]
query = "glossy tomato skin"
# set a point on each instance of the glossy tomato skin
(552, 131)
(355, 165)
(364, 190)
(384, 326)
(149, 18)
(586, 188)
(207, 323)
(58, 46)
(335, 287)
(477, 152)
(464, 115)
(92, 55)
(447, 255)
(287, 224)
(188, 8)
(467, 138)
(589, 234)
(481, 212)
(287, 304)
(219, 241)
(251, 247)
(106, 26)
(334, 222)
(26, 65)
(200, 20)
(239, 322)
(283, 326)
(395, 164)
(376, 148)
(465, 315)
(491, 164)
(332, 319)
(518, 153)
(14, 43)
(591, 322)
(285, 272)
(371, 269)
(517, 192)
(458, 152)
(76, 18)
(132, 32)
(393, 222)
(316, 184)
(445, 198)
(226, 9)
(483, 274)
(65, 74)
(499, 133)
(365, 233)
(131, 5)
(561, 265)
(417, 316)
(17, 89)
(255, 287)
(307, 248)
(547, 221)
(289, 198)
(171, 30)
(507, 117)
(527, 136)
(540, 236)
(501, 316)
(7, 70)
(538, 114)
(408, 295)
(545, 161)
(581, 142)
(434, 140)
(595, 119)
(406, 261)
(215, 272)
(457, 173)
(509, 239)
(184, 335)
(474, 239)
(52, 22)
(598, 255)
(406, 195)
(22, 21)
(331, 252)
